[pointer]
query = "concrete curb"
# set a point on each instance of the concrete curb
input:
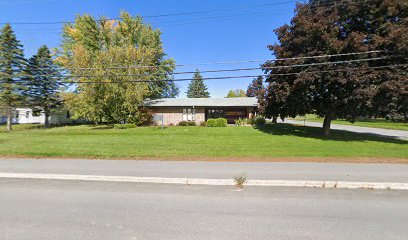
(214, 182)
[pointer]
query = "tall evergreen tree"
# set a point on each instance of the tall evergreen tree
(11, 66)
(197, 87)
(44, 82)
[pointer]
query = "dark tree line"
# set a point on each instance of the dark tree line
(348, 90)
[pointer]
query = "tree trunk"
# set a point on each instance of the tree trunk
(9, 120)
(274, 119)
(46, 120)
(326, 124)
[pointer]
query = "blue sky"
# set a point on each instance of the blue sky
(234, 32)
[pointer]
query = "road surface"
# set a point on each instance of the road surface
(214, 170)
(390, 133)
(41, 209)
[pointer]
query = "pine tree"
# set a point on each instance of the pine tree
(44, 84)
(11, 66)
(197, 87)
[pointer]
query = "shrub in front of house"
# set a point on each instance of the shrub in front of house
(124, 126)
(244, 121)
(187, 123)
(216, 122)
(260, 121)
(144, 117)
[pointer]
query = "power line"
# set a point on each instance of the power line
(226, 62)
(164, 15)
(229, 77)
(331, 3)
(215, 71)
(250, 76)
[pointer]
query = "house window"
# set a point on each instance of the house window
(188, 114)
(68, 115)
(27, 114)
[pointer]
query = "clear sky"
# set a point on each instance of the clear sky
(232, 30)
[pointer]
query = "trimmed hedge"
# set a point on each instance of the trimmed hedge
(124, 126)
(187, 123)
(216, 122)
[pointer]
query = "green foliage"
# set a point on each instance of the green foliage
(90, 46)
(216, 122)
(197, 87)
(260, 121)
(244, 121)
(11, 66)
(352, 90)
(144, 117)
(236, 93)
(124, 126)
(43, 82)
(187, 123)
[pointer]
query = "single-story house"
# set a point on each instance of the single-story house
(34, 116)
(175, 110)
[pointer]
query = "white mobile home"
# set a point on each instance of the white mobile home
(29, 115)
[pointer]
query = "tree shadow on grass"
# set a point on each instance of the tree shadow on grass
(315, 132)
(102, 127)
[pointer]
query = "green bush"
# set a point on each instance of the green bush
(124, 126)
(187, 123)
(216, 122)
(259, 121)
(244, 121)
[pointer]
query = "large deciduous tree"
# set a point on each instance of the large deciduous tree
(43, 83)
(197, 87)
(236, 93)
(356, 85)
(117, 63)
(11, 66)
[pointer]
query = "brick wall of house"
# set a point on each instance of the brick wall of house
(174, 115)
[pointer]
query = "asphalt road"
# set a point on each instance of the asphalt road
(390, 133)
(61, 210)
(219, 170)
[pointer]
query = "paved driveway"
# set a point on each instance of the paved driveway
(390, 133)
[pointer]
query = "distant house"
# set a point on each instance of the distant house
(28, 115)
(174, 110)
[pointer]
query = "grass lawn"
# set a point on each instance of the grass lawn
(375, 123)
(270, 142)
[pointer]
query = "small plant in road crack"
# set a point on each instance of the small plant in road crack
(240, 180)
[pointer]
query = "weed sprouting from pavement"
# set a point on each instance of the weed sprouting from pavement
(240, 180)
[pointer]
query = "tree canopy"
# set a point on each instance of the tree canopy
(197, 87)
(236, 93)
(117, 63)
(341, 86)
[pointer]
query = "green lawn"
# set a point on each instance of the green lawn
(375, 123)
(273, 141)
